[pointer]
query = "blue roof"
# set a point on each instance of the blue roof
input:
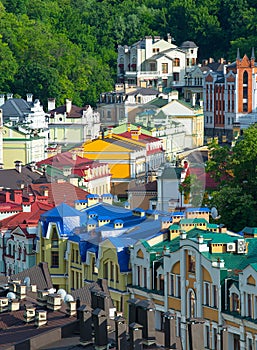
(107, 195)
(85, 246)
(65, 217)
(81, 201)
(207, 210)
(166, 218)
(92, 195)
(118, 221)
(122, 246)
(178, 213)
(139, 210)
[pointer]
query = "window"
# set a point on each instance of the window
(176, 76)
(206, 290)
(214, 296)
(55, 240)
(171, 286)
(178, 286)
(164, 68)
(235, 302)
(191, 262)
(106, 270)
(248, 305)
(55, 259)
(249, 344)
(112, 270)
(207, 336)
(152, 66)
(176, 62)
(145, 277)
(138, 276)
(178, 328)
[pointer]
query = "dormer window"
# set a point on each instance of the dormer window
(55, 240)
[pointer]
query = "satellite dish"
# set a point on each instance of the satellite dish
(27, 281)
(62, 293)
(214, 213)
(68, 298)
(11, 296)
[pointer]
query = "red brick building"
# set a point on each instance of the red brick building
(230, 97)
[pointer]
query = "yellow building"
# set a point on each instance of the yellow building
(22, 144)
(126, 160)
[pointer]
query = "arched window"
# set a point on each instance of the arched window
(191, 307)
(235, 302)
(245, 91)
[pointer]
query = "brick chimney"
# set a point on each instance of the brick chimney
(109, 133)
(8, 96)
(129, 127)
(17, 196)
(2, 100)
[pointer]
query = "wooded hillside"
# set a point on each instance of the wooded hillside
(67, 48)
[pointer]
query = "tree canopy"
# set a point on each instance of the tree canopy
(68, 48)
(235, 171)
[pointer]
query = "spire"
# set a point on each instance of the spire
(253, 56)
(238, 54)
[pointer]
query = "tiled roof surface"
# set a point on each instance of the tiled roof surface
(15, 107)
(142, 137)
(76, 112)
(60, 192)
(32, 217)
(66, 159)
(11, 178)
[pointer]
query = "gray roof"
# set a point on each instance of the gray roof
(144, 92)
(15, 107)
(171, 173)
(11, 178)
(188, 44)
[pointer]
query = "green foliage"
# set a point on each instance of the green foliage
(47, 46)
(235, 171)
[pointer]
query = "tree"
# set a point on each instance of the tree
(236, 174)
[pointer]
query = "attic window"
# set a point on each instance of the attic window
(55, 241)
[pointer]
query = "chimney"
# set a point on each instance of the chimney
(18, 165)
(74, 155)
(32, 166)
(211, 60)
(17, 196)
(68, 105)
(193, 99)
(29, 97)
(109, 133)
(169, 39)
(2, 99)
(221, 60)
(51, 104)
(7, 196)
(8, 96)
(134, 134)
(139, 129)
(129, 127)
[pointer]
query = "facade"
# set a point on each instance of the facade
(19, 237)
(123, 104)
(230, 98)
(70, 124)
(22, 144)
(205, 279)
(156, 62)
(91, 175)
(126, 160)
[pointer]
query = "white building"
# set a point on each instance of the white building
(70, 124)
(155, 62)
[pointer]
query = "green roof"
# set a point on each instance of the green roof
(193, 221)
(250, 230)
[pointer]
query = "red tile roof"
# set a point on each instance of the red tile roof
(66, 159)
(76, 112)
(142, 137)
(32, 217)
(60, 192)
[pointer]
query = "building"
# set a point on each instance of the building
(203, 278)
(22, 144)
(72, 125)
(19, 237)
(229, 98)
(155, 62)
(91, 175)
(126, 160)
(123, 104)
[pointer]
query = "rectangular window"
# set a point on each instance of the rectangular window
(178, 328)
(145, 277)
(176, 76)
(152, 66)
(55, 259)
(138, 276)
(178, 286)
(164, 68)
(214, 296)
(191, 262)
(206, 290)
(207, 336)
(172, 282)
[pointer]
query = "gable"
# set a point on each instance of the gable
(245, 62)
(140, 254)
(251, 280)
(176, 108)
(209, 79)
